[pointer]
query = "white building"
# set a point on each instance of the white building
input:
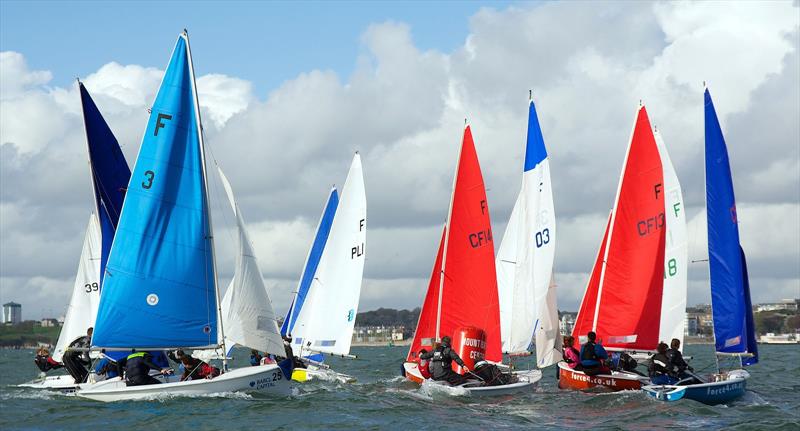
(566, 324)
(12, 313)
(784, 304)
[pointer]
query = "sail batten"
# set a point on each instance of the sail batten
(160, 284)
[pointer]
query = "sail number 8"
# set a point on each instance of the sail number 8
(672, 268)
(542, 237)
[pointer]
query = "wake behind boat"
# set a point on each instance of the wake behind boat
(734, 331)
(160, 288)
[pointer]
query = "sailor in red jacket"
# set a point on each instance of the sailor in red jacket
(423, 365)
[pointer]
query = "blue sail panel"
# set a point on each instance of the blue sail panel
(285, 324)
(728, 300)
(752, 345)
(110, 171)
(321, 237)
(535, 151)
(159, 287)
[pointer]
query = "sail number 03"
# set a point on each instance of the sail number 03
(542, 237)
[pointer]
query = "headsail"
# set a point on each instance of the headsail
(676, 256)
(312, 262)
(629, 293)
(85, 297)
(160, 284)
(110, 172)
(525, 258)
(730, 290)
(467, 284)
(247, 312)
(325, 323)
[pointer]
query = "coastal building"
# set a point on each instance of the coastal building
(49, 323)
(566, 323)
(12, 313)
(691, 326)
(784, 304)
(378, 334)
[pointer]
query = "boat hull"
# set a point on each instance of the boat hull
(616, 381)
(262, 379)
(526, 380)
(724, 391)
(61, 382)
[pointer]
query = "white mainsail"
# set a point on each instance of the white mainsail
(325, 323)
(247, 313)
(82, 309)
(676, 256)
(525, 259)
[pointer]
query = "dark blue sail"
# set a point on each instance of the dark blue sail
(312, 262)
(110, 172)
(730, 292)
(160, 280)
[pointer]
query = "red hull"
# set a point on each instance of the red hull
(412, 372)
(577, 380)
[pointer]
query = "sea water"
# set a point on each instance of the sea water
(381, 399)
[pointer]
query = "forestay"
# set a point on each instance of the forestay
(730, 290)
(325, 323)
(159, 289)
(525, 258)
(247, 313)
(85, 298)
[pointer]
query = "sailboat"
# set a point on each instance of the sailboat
(524, 260)
(734, 332)
(322, 315)
(636, 295)
(160, 289)
(462, 297)
(110, 175)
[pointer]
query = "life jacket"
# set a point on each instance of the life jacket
(207, 371)
(135, 365)
(423, 369)
(588, 352)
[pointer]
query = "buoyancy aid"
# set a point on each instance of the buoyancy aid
(588, 352)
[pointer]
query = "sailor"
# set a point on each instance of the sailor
(76, 357)
(44, 361)
(442, 358)
(592, 356)
(106, 367)
(255, 358)
(675, 358)
(287, 347)
(659, 367)
(571, 355)
(422, 365)
(137, 368)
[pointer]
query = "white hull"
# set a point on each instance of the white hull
(312, 372)
(62, 382)
(263, 379)
(526, 381)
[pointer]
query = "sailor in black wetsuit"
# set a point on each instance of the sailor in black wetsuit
(679, 365)
(137, 368)
(442, 358)
(659, 367)
(76, 361)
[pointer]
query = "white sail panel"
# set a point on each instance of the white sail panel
(325, 323)
(506, 263)
(82, 309)
(247, 314)
(676, 256)
(547, 336)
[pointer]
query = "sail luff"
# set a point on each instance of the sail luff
(204, 165)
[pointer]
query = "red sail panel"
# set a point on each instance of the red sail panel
(469, 296)
(425, 333)
(585, 320)
(630, 291)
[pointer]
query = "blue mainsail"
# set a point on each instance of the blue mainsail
(314, 255)
(159, 290)
(110, 172)
(730, 290)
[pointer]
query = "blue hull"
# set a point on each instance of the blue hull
(713, 393)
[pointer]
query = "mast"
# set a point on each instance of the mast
(447, 235)
(185, 36)
(611, 222)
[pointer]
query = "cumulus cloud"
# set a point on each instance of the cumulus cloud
(403, 108)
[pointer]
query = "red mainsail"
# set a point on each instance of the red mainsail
(467, 296)
(627, 304)
(585, 320)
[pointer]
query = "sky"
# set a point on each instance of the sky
(289, 91)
